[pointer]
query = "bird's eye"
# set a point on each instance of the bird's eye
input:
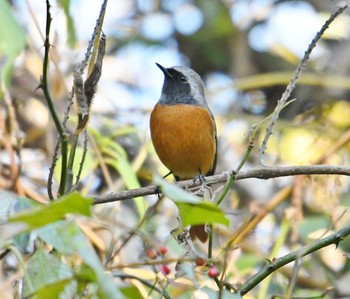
(182, 79)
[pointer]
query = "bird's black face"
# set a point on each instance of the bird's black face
(176, 88)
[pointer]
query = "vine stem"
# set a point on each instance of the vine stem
(45, 88)
(277, 263)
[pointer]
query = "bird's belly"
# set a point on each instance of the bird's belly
(184, 139)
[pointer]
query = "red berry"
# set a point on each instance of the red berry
(213, 272)
(163, 250)
(151, 253)
(165, 269)
(200, 261)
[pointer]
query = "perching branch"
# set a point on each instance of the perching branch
(259, 173)
(292, 83)
(277, 263)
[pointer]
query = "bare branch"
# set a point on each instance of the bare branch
(263, 173)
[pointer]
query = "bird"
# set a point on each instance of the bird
(183, 130)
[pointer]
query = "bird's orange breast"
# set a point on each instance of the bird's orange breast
(184, 138)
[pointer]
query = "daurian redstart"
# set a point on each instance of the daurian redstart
(183, 129)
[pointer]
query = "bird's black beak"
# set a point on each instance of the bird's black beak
(164, 70)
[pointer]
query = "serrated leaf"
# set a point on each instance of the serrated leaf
(67, 238)
(73, 203)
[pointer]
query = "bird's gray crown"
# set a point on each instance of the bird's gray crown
(182, 85)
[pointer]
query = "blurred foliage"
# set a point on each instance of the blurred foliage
(10, 47)
(70, 248)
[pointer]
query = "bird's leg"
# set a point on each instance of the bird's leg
(200, 178)
(159, 193)
(203, 185)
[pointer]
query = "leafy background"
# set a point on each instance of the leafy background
(246, 52)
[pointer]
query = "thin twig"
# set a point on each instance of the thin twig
(292, 83)
(57, 145)
(45, 88)
(52, 169)
(339, 143)
(248, 226)
(149, 213)
(157, 262)
(259, 173)
(96, 32)
(294, 278)
(82, 161)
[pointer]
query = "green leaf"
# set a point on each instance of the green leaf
(53, 290)
(204, 212)
(70, 290)
(86, 273)
(311, 224)
(131, 292)
(175, 193)
(123, 166)
(9, 46)
(70, 24)
(11, 203)
(67, 238)
(43, 270)
(73, 203)
(192, 209)
(247, 262)
(118, 159)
